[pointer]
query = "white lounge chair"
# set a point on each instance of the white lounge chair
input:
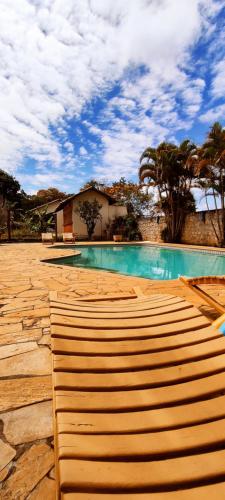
(47, 238)
(69, 238)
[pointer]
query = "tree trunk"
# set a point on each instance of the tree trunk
(9, 224)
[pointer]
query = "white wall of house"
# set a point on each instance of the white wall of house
(108, 213)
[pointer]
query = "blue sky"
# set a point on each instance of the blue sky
(86, 85)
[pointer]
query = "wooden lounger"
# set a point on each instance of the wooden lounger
(193, 284)
(139, 400)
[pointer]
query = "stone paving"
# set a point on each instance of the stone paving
(26, 441)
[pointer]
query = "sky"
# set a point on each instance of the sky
(87, 85)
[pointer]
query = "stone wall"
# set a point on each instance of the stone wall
(197, 231)
(151, 229)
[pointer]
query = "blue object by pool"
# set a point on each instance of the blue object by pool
(146, 261)
(222, 328)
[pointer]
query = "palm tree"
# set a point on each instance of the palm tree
(170, 170)
(210, 168)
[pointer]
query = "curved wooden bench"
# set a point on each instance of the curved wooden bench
(139, 400)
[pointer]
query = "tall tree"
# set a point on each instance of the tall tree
(9, 195)
(93, 183)
(210, 169)
(170, 171)
(89, 212)
(51, 194)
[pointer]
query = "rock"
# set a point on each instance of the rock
(12, 328)
(28, 423)
(4, 472)
(36, 362)
(30, 313)
(8, 351)
(7, 453)
(45, 340)
(25, 335)
(22, 305)
(53, 284)
(5, 320)
(44, 322)
(40, 293)
(20, 392)
(52, 473)
(46, 489)
(13, 290)
(31, 467)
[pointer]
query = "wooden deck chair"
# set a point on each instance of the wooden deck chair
(47, 238)
(193, 284)
(139, 404)
(69, 238)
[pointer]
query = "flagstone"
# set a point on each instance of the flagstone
(28, 423)
(7, 453)
(36, 362)
(39, 293)
(52, 473)
(32, 313)
(25, 335)
(45, 340)
(12, 350)
(46, 490)
(8, 320)
(23, 304)
(31, 467)
(4, 472)
(16, 289)
(10, 328)
(19, 392)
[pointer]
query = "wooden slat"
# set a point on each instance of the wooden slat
(209, 492)
(182, 325)
(140, 380)
(142, 322)
(123, 315)
(135, 306)
(136, 446)
(146, 421)
(134, 362)
(136, 400)
(71, 346)
(152, 475)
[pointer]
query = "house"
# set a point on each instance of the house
(68, 220)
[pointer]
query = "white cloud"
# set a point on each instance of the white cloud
(56, 55)
(213, 114)
(83, 151)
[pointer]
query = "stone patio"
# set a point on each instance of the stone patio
(26, 441)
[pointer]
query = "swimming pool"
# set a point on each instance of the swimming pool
(146, 261)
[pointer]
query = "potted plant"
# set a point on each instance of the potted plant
(117, 228)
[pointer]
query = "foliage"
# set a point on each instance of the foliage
(170, 169)
(131, 195)
(93, 183)
(28, 202)
(9, 187)
(38, 221)
(210, 170)
(127, 226)
(89, 212)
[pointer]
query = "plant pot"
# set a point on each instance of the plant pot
(117, 237)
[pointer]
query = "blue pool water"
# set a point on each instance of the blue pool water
(146, 261)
